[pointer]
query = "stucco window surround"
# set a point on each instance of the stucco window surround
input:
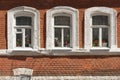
(111, 13)
(22, 73)
(62, 11)
(11, 24)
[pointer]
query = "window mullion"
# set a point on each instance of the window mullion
(62, 37)
(100, 37)
(23, 39)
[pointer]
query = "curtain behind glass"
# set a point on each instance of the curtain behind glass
(100, 20)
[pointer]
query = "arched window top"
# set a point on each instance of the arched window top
(62, 10)
(99, 10)
(24, 9)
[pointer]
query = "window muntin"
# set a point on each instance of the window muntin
(23, 20)
(62, 31)
(23, 31)
(100, 20)
(100, 30)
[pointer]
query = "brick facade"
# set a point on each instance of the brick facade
(58, 65)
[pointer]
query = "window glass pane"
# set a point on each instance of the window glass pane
(27, 37)
(95, 37)
(19, 40)
(66, 37)
(57, 40)
(25, 78)
(105, 37)
(100, 20)
(62, 20)
(23, 20)
(22, 77)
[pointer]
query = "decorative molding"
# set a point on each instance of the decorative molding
(78, 52)
(23, 71)
(63, 10)
(18, 11)
(88, 30)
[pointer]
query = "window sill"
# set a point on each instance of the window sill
(100, 48)
(22, 51)
(63, 48)
(61, 52)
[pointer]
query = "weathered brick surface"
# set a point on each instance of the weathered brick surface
(102, 65)
(59, 66)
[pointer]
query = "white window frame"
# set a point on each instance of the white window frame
(88, 30)
(62, 10)
(23, 11)
(23, 35)
(62, 27)
(100, 30)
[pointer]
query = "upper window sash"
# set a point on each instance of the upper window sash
(23, 20)
(100, 20)
(62, 20)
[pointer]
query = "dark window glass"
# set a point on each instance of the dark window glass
(100, 20)
(27, 37)
(105, 37)
(62, 20)
(22, 77)
(58, 42)
(23, 20)
(66, 37)
(95, 37)
(19, 40)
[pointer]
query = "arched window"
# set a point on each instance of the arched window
(62, 28)
(23, 28)
(100, 28)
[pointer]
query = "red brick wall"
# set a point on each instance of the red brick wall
(43, 5)
(74, 65)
